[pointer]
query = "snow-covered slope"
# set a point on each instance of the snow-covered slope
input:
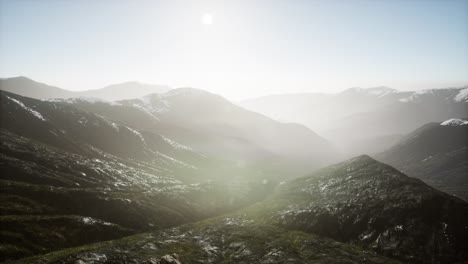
(454, 122)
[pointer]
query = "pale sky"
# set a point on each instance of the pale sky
(238, 49)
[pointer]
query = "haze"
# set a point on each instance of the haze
(238, 49)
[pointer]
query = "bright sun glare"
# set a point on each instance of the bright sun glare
(207, 19)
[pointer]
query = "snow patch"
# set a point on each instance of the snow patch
(462, 96)
(73, 100)
(138, 134)
(454, 122)
(92, 221)
(28, 109)
(145, 109)
(175, 144)
(414, 97)
(114, 126)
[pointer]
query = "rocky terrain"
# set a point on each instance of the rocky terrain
(374, 205)
(143, 181)
(221, 130)
(436, 153)
(61, 165)
(359, 211)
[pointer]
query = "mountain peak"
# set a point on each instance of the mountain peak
(21, 77)
(188, 91)
(376, 91)
(454, 122)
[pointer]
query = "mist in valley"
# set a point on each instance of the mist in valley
(289, 149)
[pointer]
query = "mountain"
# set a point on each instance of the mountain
(126, 90)
(219, 129)
(360, 120)
(220, 240)
(71, 177)
(435, 153)
(367, 203)
(358, 211)
(29, 88)
(318, 110)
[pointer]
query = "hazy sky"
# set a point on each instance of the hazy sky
(239, 48)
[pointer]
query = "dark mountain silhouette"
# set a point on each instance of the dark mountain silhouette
(358, 211)
(373, 205)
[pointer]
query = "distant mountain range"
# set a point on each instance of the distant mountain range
(29, 88)
(435, 153)
(203, 180)
(219, 129)
(116, 168)
(361, 120)
(70, 177)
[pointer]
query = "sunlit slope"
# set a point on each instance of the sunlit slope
(64, 126)
(60, 164)
(45, 186)
(435, 153)
(358, 211)
(221, 240)
(372, 204)
(219, 129)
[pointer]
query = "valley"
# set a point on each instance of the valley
(187, 172)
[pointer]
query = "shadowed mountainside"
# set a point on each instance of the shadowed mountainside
(358, 211)
(435, 153)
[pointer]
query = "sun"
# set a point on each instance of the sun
(207, 19)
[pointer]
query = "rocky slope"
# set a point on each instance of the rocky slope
(219, 129)
(220, 240)
(371, 204)
(436, 153)
(60, 165)
(358, 211)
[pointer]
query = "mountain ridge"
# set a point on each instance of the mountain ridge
(27, 87)
(437, 153)
(380, 216)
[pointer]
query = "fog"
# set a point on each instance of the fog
(175, 132)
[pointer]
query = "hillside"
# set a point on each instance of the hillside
(27, 87)
(358, 211)
(435, 153)
(30, 88)
(365, 120)
(219, 129)
(61, 165)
